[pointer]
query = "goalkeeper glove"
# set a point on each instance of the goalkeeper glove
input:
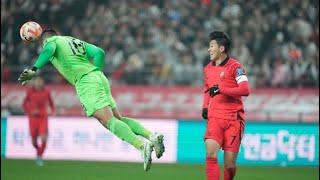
(26, 76)
(214, 90)
(205, 113)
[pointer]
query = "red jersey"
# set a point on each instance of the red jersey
(228, 76)
(36, 102)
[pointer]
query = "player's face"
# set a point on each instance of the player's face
(38, 83)
(214, 50)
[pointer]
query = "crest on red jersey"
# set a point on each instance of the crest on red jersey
(222, 75)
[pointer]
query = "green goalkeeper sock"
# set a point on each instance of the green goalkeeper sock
(123, 131)
(136, 127)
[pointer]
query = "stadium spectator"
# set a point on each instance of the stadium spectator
(174, 30)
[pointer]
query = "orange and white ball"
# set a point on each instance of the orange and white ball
(30, 31)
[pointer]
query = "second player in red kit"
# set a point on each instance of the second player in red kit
(225, 81)
(36, 104)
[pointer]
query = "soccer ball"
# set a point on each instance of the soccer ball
(30, 31)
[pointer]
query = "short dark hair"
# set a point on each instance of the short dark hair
(222, 39)
(50, 31)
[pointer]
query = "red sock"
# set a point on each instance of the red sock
(229, 173)
(212, 169)
(42, 148)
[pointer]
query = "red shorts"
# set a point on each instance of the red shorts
(38, 126)
(226, 131)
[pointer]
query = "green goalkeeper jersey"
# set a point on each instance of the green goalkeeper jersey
(71, 57)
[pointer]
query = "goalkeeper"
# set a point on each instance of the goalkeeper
(71, 57)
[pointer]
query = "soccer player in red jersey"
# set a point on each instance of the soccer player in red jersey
(35, 105)
(225, 81)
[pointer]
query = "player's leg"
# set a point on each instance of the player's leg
(230, 165)
(94, 92)
(33, 128)
(41, 149)
(134, 125)
(212, 167)
(139, 129)
(213, 141)
(117, 127)
(43, 136)
(34, 141)
(123, 131)
(232, 136)
(43, 139)
(94, 98)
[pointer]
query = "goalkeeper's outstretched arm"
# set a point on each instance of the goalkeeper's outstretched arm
(43, 59)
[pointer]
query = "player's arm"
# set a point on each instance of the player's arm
(96, 54)
(242, 90)
(43, 59)
(45, 55)
(51, 104)
(25, 103)
(206, 97)
(243, 85)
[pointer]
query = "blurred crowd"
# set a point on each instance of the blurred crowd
(165, 42)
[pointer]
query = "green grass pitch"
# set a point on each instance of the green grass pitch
(83, 170)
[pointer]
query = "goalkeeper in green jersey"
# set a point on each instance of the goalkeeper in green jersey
(81, 64)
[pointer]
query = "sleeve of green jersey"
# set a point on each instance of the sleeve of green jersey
(97, 54)
(45, 55)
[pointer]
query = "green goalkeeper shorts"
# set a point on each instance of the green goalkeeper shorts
(94, 92)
